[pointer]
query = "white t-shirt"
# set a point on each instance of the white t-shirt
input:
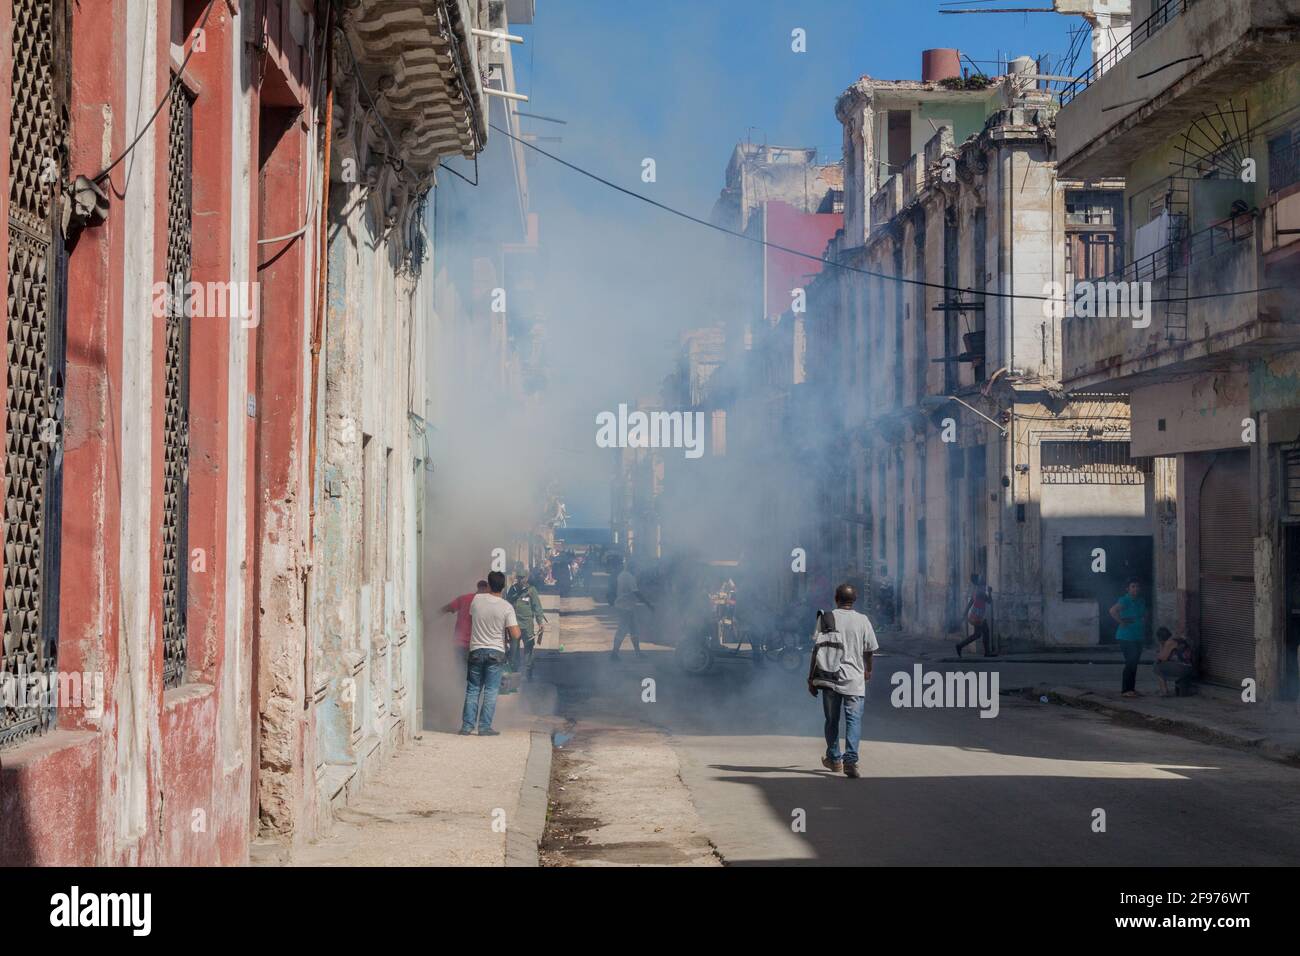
(859, 639)
(490, 615)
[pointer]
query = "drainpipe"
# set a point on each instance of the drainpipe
(322, 268)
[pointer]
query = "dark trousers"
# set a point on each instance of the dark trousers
(981, 631)
(519, 653)
(1132, 654)
(1179, 673)
(626, 628)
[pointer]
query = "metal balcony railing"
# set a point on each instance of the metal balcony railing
(1137, 36)
(1283, 166)
(1181, 254)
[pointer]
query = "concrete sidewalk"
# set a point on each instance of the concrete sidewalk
(447, 800)
(1213, 714)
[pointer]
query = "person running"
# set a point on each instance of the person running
(977, 614)
(1130, 613)
(843, 648)
(493, 620)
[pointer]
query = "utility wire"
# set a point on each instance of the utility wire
(171, 88)
(831, 262)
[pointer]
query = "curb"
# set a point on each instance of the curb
(523, 838)
(1257, 744)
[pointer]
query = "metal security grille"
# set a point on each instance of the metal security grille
(34, 370)
(1291, 479)
(1092, 463)
(176, 425)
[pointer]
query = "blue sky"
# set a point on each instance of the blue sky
(682, 82)
(685, 80)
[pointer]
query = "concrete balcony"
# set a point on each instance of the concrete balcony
(1280, 233)
(421, 64)
(1187, 57)
(1218, 330)
(938, 146)
(914, 178)
(886, 202)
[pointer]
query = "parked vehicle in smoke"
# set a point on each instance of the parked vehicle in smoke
(721, 620)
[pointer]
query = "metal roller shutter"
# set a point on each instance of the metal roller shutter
(1227, 650)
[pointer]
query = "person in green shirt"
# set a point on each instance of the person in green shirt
(1130, 613)
(527, 602)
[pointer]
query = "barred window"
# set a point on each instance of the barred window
(176, 377)
(34, 369)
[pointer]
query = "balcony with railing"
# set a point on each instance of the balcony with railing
(1186, 58)
(1144, 31)
(1208, 302)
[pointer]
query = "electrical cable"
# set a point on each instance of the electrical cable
(831, 262)
(171, 88)
(317, 86)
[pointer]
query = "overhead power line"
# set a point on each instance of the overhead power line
(171, 88)
(960, 290)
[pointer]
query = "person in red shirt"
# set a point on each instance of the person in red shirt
(464, 623)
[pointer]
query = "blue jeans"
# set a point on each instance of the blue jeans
(832, 703)
(483, 679)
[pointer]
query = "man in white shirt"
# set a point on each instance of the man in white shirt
(492, 618)
(841, 666)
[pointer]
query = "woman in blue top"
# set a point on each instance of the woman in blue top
(1130, 613)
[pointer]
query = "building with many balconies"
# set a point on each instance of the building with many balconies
(938, 349)
(1198, 110)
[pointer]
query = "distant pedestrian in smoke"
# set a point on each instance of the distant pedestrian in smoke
(1130, 613)
(843, 647)
(527, 602)
(493, 621)
(626, 599)
(1174, 663)
(977, 614)
(460, 607)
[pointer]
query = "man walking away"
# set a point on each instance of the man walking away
(1130, 613)
(460, 607)
(843, 646)
(493, 619)
(977, 614)
(527, 602)
(626, 598)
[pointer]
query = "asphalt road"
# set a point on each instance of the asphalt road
(939, 786)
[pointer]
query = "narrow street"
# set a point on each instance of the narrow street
(717, 768)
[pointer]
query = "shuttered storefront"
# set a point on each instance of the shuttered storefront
(1227, 583)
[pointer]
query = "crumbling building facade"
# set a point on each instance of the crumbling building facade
(940, 346)
(1196, 111)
